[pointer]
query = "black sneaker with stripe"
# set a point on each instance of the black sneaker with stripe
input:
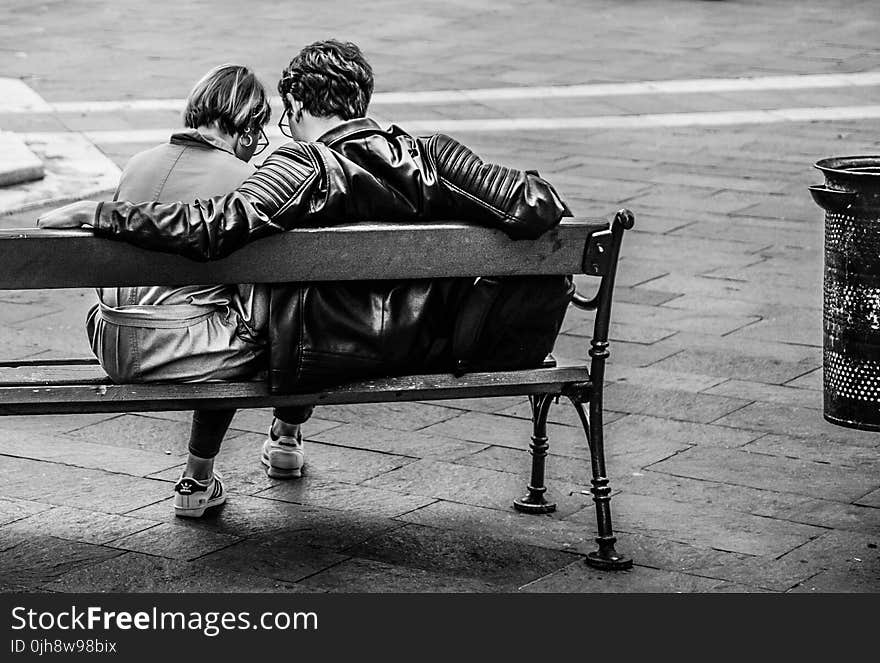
(193, 497)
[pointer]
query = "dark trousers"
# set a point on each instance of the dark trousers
(209, 427)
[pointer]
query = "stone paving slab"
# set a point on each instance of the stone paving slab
(785, 395)
(498, 560)
(510, 432)
(560, 413)
(761, 502)
(65, 485)
(796, 421)
(639, 432)
(402, 416)
(849, 553)
(345, 496)
(579, 578)
(175, 542)
(667, 402)
(720, 345)
(78, 525)
(707, 526)
(816, 450)
(706, 285)
(557, 467)
(853, 580)
(259, 421)
(646, 376)
(627, 354)
(137, 433)
(51, 424)
(476, 486)
(240, 464)
(37, 559)
(136, 572)
(541, 531)
(771, 472)
(737, 365)
(275, 559)
(871, 499)
(787, 327)
(85, 454)
(370, 576)
(389, 440)
(255, 420)
(259, 519)
(13, 509)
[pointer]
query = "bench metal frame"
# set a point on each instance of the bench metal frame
(38, 259)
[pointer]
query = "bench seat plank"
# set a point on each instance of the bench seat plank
(107, 397)
(52, 375)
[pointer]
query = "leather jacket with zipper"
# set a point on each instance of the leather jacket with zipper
(321, 333)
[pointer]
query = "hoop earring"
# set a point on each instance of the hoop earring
(250, 140)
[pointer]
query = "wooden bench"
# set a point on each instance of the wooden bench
(36, 259)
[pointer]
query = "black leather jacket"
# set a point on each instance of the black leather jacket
(355, 172)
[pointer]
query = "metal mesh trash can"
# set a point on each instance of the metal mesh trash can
(851, 303)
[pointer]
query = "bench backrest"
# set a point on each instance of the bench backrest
(34, 258)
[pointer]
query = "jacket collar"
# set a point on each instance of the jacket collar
(196, 138)
(348, 128)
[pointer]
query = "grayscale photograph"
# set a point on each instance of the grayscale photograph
(434, 298)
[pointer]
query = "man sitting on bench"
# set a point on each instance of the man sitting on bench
(342, 167)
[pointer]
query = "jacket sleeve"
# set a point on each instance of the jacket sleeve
(270, 201)
(521, 203)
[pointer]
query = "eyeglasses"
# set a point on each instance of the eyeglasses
(284, 125)
(262, 143)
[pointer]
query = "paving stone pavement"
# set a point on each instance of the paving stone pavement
(725, 476)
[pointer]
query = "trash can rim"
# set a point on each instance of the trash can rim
(846, 165)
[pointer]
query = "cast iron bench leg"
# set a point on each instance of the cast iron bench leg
(534, 501)
(606, 557)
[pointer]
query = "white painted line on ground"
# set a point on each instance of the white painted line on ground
(707, 119)
(116, 106)
(645, 87)
(18, 102)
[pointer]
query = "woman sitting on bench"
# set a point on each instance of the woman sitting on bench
(198, 332)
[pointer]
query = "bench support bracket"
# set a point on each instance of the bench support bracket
(534, 501)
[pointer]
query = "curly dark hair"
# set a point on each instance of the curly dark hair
(329, 78)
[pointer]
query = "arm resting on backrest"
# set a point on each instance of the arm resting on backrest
(268, 202)
(521, 203)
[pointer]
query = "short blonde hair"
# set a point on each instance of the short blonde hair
(232, 97)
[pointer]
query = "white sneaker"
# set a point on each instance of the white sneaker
(192, 497)
(283, 456)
